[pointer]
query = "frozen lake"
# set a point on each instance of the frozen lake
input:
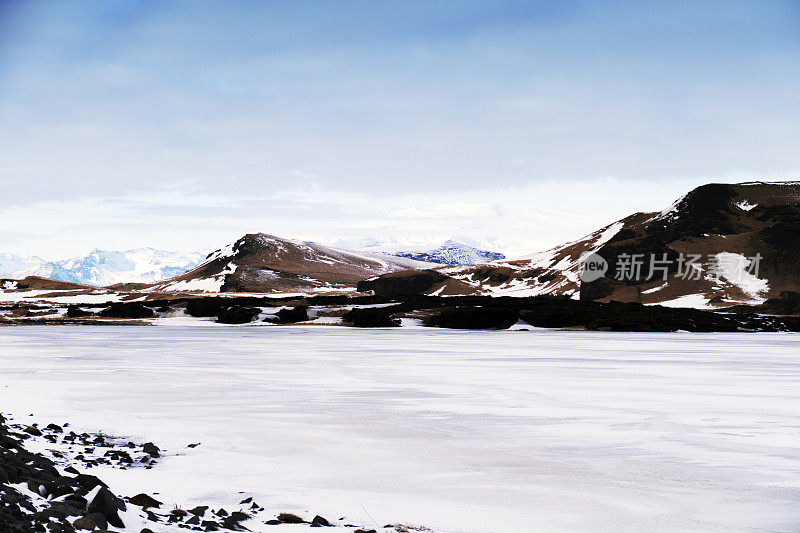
(460, 431)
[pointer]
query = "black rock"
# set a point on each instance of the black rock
(200, 510)
(205, 307)
(372, 317)
(99, 520)
(210, 525)
(33, 430)
(127, 310)
(144, 501)
(74, 311)
(474, 318)
(291, 315)
(320, 521)
(289, 518)
(151, 449)
(109, 506)
(237, 315)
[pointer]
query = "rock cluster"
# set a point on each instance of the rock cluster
(49, 495)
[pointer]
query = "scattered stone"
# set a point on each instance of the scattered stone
(68, 493)
(210, 525)
(289, 518)
(143, 500)
(33, 430)
(200, 510)
(151, 449)
(84, 523)
(320, 521)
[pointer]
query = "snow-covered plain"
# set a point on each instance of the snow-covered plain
(460, 431)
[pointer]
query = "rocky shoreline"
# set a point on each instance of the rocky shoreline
(47, 493)
(457, 312)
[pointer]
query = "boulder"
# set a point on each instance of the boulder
(109, 506)
(237, 315)
(289, 518)
(144, 500)
(293, 314)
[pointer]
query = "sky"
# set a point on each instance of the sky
(512, 124)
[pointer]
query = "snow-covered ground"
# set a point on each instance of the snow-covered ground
(460, 431)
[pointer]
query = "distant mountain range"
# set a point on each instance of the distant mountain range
(451, 252)
(103, 268)
(718, 245)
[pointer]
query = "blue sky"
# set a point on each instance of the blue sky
(182, 125)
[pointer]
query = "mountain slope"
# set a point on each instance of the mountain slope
(747, 237)
(265, 263)
(725, 225)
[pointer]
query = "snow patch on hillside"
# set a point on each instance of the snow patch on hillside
(735, 269)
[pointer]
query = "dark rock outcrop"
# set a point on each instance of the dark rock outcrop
(237, 315)
(372, 317)
(291, 315)
(127, 310)
(474, 318)
(402, 283)
(206, 306)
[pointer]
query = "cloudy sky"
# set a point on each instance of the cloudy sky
(182, 125)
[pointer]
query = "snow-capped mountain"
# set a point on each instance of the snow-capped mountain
(11, 264)
(451, 252)
(103, 268)
(264, 263)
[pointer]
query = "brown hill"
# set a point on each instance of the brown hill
(32, 283)
(264, 263)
